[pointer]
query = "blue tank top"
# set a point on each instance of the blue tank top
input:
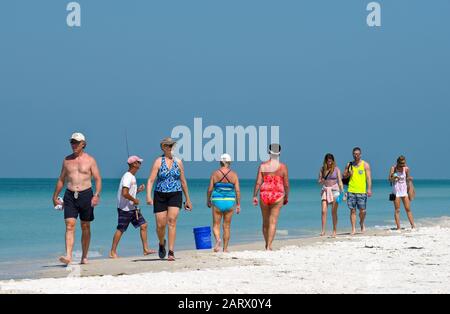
(168, 180)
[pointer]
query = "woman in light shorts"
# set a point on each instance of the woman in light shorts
(400, 178)
(331, 180)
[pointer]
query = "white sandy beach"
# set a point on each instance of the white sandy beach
(380, 262)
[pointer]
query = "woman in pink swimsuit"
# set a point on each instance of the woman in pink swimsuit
(401, 180)
(273, 185)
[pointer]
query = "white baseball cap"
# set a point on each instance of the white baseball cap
(225, 158)
(78, 137)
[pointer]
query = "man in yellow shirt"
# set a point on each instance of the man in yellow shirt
(359, 188)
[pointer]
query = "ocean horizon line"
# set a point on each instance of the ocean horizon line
(207, 178)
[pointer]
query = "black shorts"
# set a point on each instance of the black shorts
(125, 218)
(79, 206)
(162, 201)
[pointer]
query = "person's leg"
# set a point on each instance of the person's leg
(227, 229)
(353, 220)
(397, 212)
(273, 221)
(172, 216)
(407, 204)
(70, 240)
(123, 221)
(335, 218)
(144, 239)
(117, 236)
(265, 211)
(362, 218)
(324, 217)
(362, 205)
(351, 202)
(217, 218)
(161, 223)
(85, 240)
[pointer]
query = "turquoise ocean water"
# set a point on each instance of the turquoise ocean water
(32, 230)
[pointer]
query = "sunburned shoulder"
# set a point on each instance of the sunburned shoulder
(70, 157)
(158, 161)
(85, 157)
(283, 167)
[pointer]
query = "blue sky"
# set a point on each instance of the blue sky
(312, 67)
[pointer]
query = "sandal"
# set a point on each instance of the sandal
(171, 257)
(162, 250)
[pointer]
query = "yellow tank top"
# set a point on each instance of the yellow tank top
(358, 181)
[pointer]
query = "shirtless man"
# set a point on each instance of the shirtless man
(79, 199)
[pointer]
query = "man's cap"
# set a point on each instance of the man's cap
(133, 159)
(78, 137)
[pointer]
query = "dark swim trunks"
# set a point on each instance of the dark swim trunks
(125, 218)
(79, 203)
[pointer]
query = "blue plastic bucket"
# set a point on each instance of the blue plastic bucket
(203, 238)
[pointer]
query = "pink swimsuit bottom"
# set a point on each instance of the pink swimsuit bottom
(272, 190)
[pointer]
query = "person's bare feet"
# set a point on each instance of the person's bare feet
(171, 256)
(149, 252)
(84, 261)
(333, 235)
(65, 260)
(322, 233)
(226, 251)
(113, 255)
(217, 246)
(353, 232)
(363, 228)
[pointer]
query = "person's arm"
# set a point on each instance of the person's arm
(408, 175)
(98, 183)
(141, 188)
(209, 192)
(184, 186)
(347, 171)
(286, 185)
(59, 185)
(259, 181)
(321, 176)
(151, 180)
(391, 174)
(369, 179)
(126, 194)
(237, 188)
(126, 185)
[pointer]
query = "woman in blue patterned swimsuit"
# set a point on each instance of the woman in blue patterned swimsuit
(168, 172)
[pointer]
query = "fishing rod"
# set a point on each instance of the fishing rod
(136, 207)
(126, 142)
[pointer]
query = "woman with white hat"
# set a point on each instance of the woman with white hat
(223, 195)
(168, 172)
(273, 185)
